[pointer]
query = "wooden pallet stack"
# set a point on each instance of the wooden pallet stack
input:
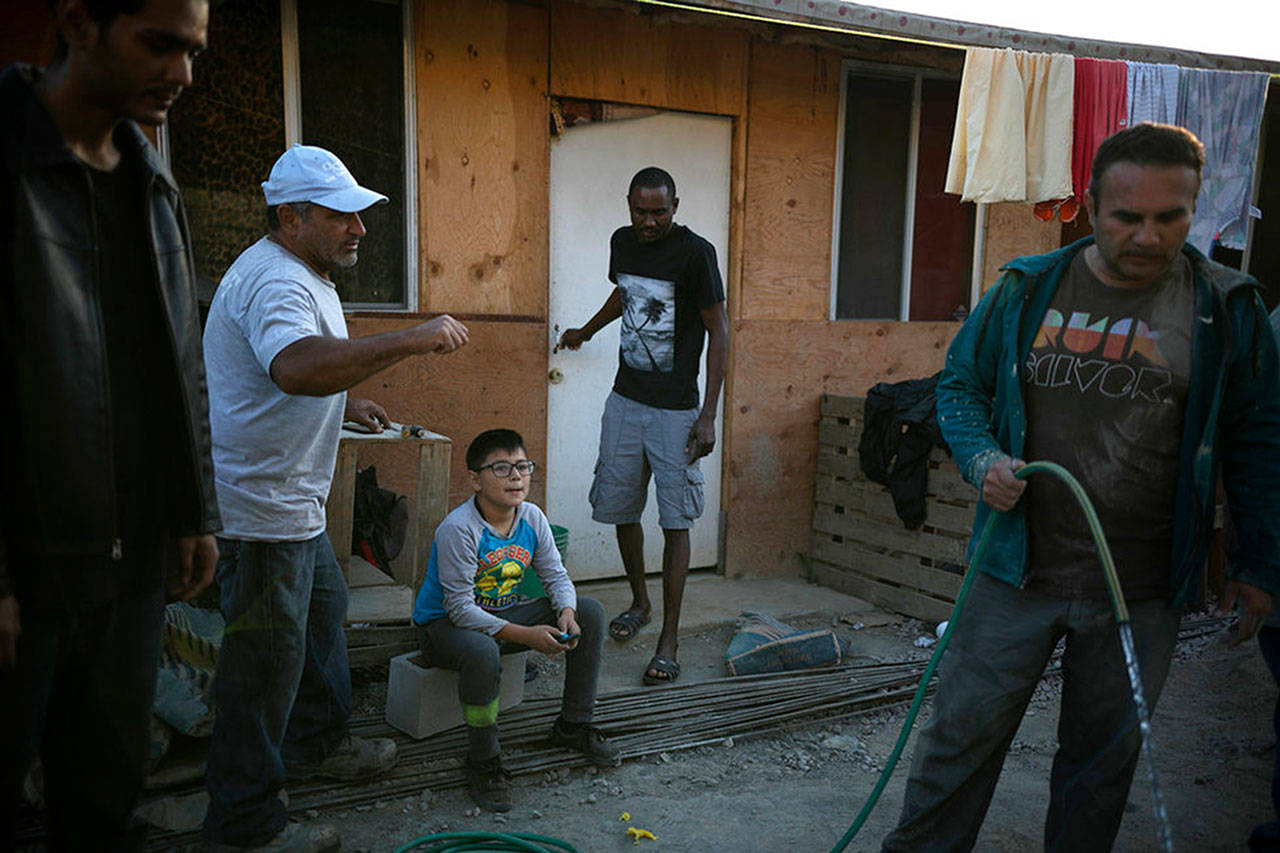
(859, 545)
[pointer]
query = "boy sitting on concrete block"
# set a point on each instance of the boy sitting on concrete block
(479, 590)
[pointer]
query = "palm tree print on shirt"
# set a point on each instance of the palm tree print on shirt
(648, 323)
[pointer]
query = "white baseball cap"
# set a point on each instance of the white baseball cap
(309, 173)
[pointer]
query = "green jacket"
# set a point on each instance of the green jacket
(1232, 416)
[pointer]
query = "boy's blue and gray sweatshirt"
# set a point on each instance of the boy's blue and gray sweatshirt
(475, 573)
(1232, 417)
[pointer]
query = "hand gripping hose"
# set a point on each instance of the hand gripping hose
(1126, 641)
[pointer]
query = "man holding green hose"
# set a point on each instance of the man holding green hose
(1144, 369)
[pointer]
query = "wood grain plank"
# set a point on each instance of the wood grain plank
(340, 507)
(878, 503)
(659, 59)
(793, 108)
(894, 598)
(432, 499)
(853, 526)
(781, 370)
(840, 406)
(896, 571)
(483, 149)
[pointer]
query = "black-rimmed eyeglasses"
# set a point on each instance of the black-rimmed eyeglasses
(502, 470)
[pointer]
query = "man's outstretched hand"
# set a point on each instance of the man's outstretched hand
(441, 334)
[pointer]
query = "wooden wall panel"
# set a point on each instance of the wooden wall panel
(791, 142)
(497, 380)
(636, 56)
(782, 367)
(482, 146)
(1011, 231)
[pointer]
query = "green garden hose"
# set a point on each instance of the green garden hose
(490, 842)
(1126, 641)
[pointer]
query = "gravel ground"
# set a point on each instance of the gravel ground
(799, 787)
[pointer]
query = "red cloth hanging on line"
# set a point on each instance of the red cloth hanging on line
(1101, 108)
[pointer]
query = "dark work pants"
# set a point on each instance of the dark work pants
(1001, 642)
(81, 694)
(476, 657)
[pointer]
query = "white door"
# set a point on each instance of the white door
(591, 166)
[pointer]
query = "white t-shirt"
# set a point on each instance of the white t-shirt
(273, 453)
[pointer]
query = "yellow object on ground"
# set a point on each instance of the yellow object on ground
(625, 816)
(637, 834)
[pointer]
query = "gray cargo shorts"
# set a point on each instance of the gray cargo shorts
(636, 440)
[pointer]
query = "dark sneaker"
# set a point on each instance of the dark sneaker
(354, 758)
(587, 739)
(294, 838)
(487, 784)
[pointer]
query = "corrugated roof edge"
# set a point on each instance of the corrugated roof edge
(872, 21)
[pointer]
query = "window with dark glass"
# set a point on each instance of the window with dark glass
(904, 249)
(352, 100)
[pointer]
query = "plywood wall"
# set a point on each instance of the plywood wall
(482, 138)
(773, 459)
(791, 147)
(497, 380)
(1011, 232)
(639, 56)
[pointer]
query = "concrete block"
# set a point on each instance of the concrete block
(423, 700)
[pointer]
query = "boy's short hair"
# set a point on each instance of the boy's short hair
(490, 440)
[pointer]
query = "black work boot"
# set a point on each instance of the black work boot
(587, 739)
(487, 784)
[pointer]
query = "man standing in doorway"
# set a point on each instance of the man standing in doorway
(1144, 369)
(669, 295)
(107, 498)
(279, 364)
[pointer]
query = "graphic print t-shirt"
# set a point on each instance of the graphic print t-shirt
(664, 285)
(474, 573)
(1106, 388)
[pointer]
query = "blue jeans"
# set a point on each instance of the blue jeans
(1003, 639)
(283, 690)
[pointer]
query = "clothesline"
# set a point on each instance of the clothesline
(1028, 124)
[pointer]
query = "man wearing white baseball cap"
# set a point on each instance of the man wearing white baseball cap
(279, 363)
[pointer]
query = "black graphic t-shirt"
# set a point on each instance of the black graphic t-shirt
(664, 286)
(1106, 388)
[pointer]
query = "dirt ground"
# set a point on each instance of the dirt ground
(798, 789)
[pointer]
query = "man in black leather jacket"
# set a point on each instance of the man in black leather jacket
(106, 497)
